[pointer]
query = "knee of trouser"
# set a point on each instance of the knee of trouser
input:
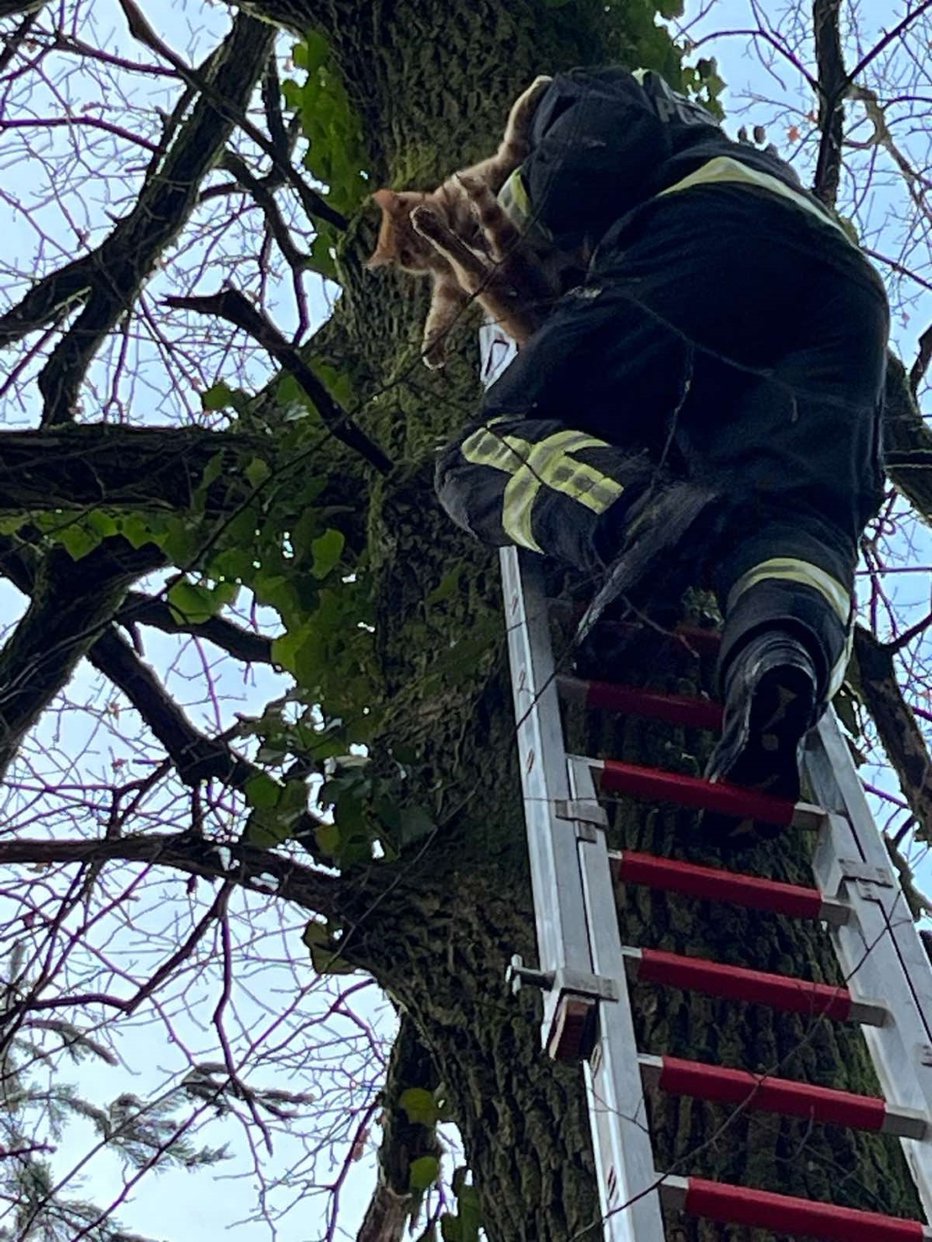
(539, 484)
(813, 606)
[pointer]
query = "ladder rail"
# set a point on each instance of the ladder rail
(628, 1184)
(582, 972)
(559, 905)
(878, 949)
(570, 878)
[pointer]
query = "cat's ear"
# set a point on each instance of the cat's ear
(389, 200)
(386, 200)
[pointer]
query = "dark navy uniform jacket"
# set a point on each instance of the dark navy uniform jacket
(606, 141)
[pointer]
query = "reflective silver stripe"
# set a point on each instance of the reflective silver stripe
(789, 569)
(533, 465)
(725, 169)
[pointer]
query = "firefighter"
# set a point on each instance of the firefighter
(719, 370)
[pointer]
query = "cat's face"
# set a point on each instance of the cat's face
(398, 244)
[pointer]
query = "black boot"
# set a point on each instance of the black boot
(771, 701)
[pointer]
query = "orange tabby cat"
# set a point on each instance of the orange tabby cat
(460, 235)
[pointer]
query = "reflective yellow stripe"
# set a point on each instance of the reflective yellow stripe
(513, 198)
(789, 569)
(516, 204)
(518, 508)
(725, 169)
(546, 463)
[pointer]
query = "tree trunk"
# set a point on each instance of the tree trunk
(433, 83)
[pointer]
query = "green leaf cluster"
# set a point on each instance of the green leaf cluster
(463, 1225)
(323, 943)
(336, 154)
(276, 809)
(193, 603)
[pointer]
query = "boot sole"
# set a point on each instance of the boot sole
(766, 758)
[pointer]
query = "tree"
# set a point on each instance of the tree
(309, 492)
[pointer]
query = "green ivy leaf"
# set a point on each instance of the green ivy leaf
(77, 539)
(257, 471)
(193, 603)
(464, 1227)
(326, 550)
(312, 53)
(262, 792)
(325, 955)
(420, 1106)
(137, 530)
(328, 839)
(423, 1172)
(467, 1202)
(219, 396)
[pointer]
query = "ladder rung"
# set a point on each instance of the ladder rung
(678, 709)
(738, 983)
(764, 1093)
(614, 776)
(715, 884)
(785, 1214)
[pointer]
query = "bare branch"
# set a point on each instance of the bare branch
(196, 757)
(73, 601)
(265, 200)
(920, 366)
(313, 203)
(230, 304)
(117, 271)
(899, 733)
(240, 864)
(833, 83)
(899, 29)
(84, 466)
(907, 441)
(240, 643)
(70, 122)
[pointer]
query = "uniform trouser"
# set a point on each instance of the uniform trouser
(725, 338)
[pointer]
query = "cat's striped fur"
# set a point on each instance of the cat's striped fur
(461, 237)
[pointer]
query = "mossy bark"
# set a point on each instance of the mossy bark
(433, 83)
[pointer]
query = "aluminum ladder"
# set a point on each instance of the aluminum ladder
(583, 968)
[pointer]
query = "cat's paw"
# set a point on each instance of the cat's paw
(425, 222)
(434, 356)
(529, 98)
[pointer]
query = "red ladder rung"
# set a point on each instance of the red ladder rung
(715, 884)
(614, 776)
(679, 709)
(764, 1093)
(754, 986)
(785, 1214)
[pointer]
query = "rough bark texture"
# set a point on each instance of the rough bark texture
(459, 906)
